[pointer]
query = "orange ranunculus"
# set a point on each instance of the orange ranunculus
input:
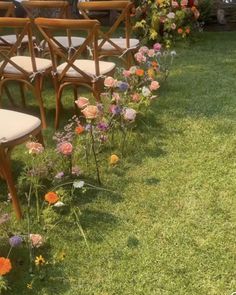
(187, 31)
(51, 197)
(79, 129)
(5, 266)
(139, 72)
(180, 31)
(155, 64)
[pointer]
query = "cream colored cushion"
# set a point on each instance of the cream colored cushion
(63, 40)
(87, 66)
(11, 39)
(14, 125)
(24, 62)
(121, 42)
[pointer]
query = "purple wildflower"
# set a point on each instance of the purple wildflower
(15, 241)
(102, 126)
(123, 86)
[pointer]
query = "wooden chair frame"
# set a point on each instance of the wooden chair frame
(32, 80)
(61, 80)
(124, 7)
(5, 165)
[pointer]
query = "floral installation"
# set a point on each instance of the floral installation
(165, 21)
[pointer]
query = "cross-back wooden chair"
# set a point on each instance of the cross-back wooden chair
(108, 45)
(75, 70)
(52, 9)
(15, 128)
(7, 9)
(24, 69)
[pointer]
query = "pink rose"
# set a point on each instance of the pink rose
(34, 147)
(151, 52)
(116, 96)
(82, 102)
(65, 148)
(90, 112)
(110, 82)
(154, 85)
(184, 3)
(136, 97)
(126, 73)
(175, 4)
(143, 49)
(129, 114)
(157, 46)
(140, 57)
(36, 240)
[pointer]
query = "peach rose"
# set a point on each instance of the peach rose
(154, 85)
(129, 114)
(90, 112)
(82, 102)
(36, 240)
(65, 148)
(110, 82)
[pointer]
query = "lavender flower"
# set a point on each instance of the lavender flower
(15, 241)
(102, 126)
(123, 86)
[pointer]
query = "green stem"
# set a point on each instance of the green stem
(80, 228)
(94, 154)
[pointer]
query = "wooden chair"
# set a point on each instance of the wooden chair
(108, 45)
(53, 9)
(25, 70)
(15, 128)
(75, 70)
(7, 9)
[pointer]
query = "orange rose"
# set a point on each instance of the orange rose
(5, 266)
(79, 129)
(90, 112)
(139, 72)
(51, 197)
(82, 102)
(187, 31)
(180, 31)
(155, 64)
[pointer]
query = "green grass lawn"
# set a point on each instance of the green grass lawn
(171, 226)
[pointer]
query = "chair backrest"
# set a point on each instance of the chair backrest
(46, 8)
(124, 8)
(24, 28)
(49, 28)
(7, 9)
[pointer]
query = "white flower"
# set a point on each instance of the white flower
(145, 91)
(59, 204)
(171, 15)
(78, 184)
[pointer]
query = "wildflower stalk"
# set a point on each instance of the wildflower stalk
(28, 197)
(37, 202)
(80, 227)
(95, 155)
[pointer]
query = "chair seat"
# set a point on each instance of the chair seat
(88, 67)
(14, 125)
(121, 42)
(24, 62)
(11, 39)
(63, 40)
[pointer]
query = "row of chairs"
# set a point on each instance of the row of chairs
(71, 59)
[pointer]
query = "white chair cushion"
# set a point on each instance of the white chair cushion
(24, 62)
(11, 39)
(87, 66)
(14, 125)
(121, 42)
(63, 40)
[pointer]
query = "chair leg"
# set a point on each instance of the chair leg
(22, 92)
(6, 171)
(58, 105)
(97, 90)
(40, 101)
(39, 137)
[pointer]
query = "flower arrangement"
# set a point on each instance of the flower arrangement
(165, 21)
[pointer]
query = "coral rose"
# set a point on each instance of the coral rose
(90, 112)
(65, 148)
(5, 266)
(51, 197)
(154, 85)
(139, 72)
(180, 31)
(82, 102)
(36, 240)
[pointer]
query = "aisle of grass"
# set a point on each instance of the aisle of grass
(171, 227)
